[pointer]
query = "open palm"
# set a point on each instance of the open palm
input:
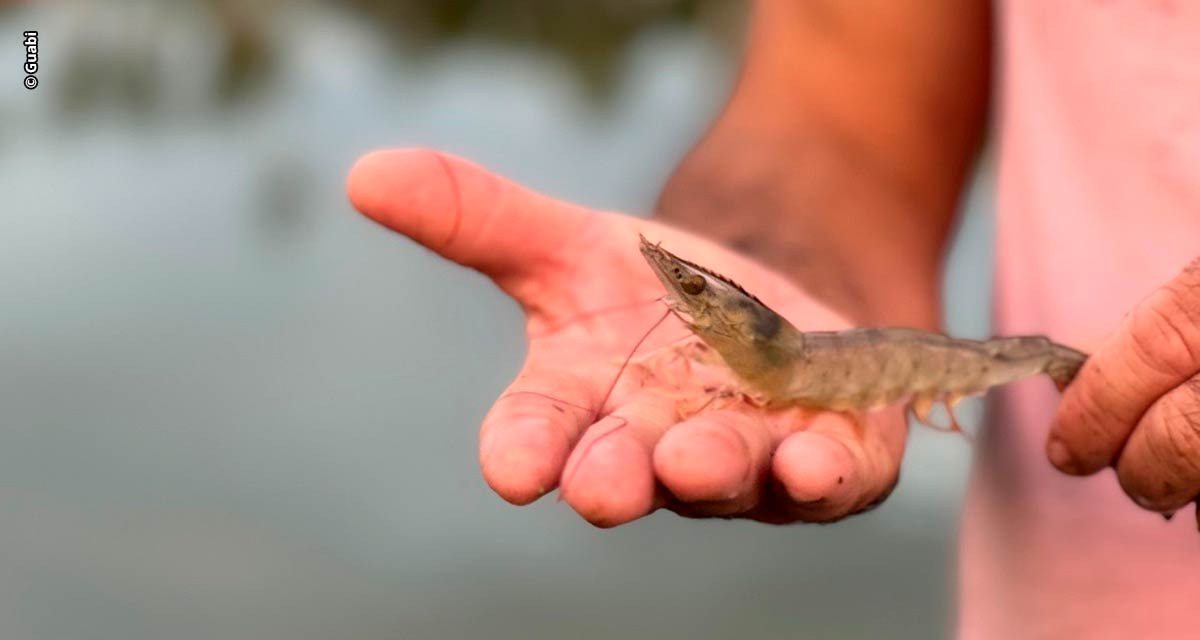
(668, 434)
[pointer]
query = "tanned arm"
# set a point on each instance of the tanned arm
(840, 156)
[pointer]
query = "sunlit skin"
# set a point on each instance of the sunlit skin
(559, 261)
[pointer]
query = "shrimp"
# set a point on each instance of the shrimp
(847, 371)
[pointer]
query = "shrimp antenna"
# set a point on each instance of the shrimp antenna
(594, 313)
(595, 412)
(570, 473)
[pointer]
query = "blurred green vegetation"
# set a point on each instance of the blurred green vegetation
(122, 63)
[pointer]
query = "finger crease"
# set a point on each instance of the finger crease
(457, 223)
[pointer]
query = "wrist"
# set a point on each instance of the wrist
(805, 207)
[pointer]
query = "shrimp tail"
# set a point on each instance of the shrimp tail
(1064, 363)
(1059, 362)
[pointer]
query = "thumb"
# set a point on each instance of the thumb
(462, 211)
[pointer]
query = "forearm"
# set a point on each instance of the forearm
(839, 160)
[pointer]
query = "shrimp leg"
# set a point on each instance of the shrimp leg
(922, 405)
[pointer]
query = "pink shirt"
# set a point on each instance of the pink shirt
(1099, 204)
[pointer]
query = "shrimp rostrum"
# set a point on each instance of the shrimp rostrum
(852, 370)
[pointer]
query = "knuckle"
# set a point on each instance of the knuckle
(1166, 329)
(1181, 316)
(1190, 276)
(1159, 343)
(1180, 417)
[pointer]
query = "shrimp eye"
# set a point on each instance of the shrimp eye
(692, 284)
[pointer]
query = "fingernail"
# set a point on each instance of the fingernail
(1060, 456)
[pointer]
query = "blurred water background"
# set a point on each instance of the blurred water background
(232, 408)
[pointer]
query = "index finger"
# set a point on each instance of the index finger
(1155, 350)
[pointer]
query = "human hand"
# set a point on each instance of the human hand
(658, 441)
(1136, 402)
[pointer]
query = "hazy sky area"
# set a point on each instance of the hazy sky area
(232, 408)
